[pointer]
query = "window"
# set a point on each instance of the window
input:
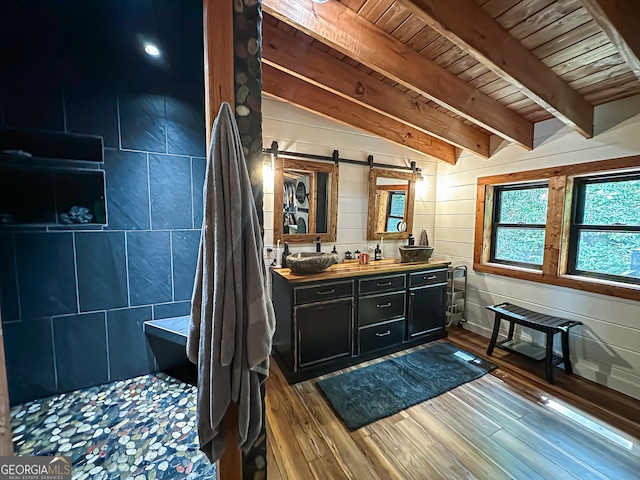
(605, 228)
(395, 211)
(576, 226)
(519, 217)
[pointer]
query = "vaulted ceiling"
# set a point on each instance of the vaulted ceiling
(442, 76)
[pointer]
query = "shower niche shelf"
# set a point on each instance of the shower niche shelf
(43, 174)
(34, 198)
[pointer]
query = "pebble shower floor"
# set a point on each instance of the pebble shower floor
(141, 428)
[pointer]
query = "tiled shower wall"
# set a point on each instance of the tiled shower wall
(73, 302)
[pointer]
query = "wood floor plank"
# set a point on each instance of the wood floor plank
(484, 388)
(535, 438)
(441, 458)
(323, 469)
(476, 461)
(568, 443)
(463, 411)
(273, 467)
(610, 406)
(380, 460)
(531, 457)
(286, 445)
(614, 455)
(509, 463)
(349, 457)
(497, 427)
(404, 454)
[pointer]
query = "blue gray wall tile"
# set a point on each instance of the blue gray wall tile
(102, 270)
(127, 179)
(32, 96)
(29, 356)
(98, 295)
(185, 245)
(149, 256)
(8, 285)
(81, 350)
(93, 111)
(143, 122)
(46, 274)
(185, 126)
(170, 183)
(198, 169)
(170, 310)
(129, 352)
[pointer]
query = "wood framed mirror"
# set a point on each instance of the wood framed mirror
(391, 204)
(305, 201)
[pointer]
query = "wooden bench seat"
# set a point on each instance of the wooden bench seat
(546, 324)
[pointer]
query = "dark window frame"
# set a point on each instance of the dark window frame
(578, 225)
(390, 201)
(496, 224)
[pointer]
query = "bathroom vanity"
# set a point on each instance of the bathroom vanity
(351, 313)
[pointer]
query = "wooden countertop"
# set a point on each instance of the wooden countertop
(354, 269)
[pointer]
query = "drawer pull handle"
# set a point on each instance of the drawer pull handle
(383, 305)
(326, 292)
(432, 277)
(388, 332)
(383, 284)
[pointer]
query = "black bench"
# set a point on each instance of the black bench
(168, 339)
(537, 321)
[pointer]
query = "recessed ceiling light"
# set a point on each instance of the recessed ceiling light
(152, 50)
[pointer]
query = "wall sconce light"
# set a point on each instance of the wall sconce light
(268, 162)
(421, 185)
(417, 170)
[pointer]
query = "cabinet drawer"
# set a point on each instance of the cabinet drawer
(323, 292)
(427, 277)
(378, 308)
(388, 283)
(375, 337)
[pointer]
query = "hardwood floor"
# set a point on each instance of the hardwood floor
(508, 424)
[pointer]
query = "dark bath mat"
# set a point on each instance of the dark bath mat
(370, 393)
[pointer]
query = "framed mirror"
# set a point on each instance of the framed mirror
(305, 201)
(391, 202)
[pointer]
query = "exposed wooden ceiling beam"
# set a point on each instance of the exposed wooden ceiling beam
(466, 24)
(310, 97)
(295, 56)
(619, 20)
(341, 28)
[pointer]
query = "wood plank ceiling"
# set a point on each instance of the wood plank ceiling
(440, 77)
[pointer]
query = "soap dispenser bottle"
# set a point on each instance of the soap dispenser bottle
(412, 241)
(377, 253)
(285, 254)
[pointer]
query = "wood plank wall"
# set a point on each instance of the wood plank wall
(298, 130)
(607, 348)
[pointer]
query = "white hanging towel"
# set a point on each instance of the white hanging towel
(232, 320)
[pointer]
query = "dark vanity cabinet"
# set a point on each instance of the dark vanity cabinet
(314, 322)
(427, 299)
(323, 331)
(325, 323)
(381, 312)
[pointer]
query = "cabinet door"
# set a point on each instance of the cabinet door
(323, 331)
(427, 309)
